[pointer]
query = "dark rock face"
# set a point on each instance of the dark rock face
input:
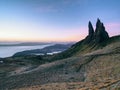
(91, 30)
(100, 32)
(98, 36)
(90, 36)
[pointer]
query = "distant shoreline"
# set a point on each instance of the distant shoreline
(24, 44)
(9, 50)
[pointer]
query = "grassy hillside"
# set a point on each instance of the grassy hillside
(97, 68)
(81, 48)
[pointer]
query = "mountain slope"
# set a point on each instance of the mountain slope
(95, 69)
(93, 63)
(95, 40)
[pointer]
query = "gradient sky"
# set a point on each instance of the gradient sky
(55, 20)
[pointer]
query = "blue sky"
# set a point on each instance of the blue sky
(55, 20)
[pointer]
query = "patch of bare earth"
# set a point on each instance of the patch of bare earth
(107, 85)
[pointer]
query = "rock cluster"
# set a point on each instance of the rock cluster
(97, 36)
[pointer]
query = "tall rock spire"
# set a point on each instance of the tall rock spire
(91, 30)
(90, 36)
(98, 22)
(98, 36)
(100, 32)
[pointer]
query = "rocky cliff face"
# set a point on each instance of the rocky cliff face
(90, 33)
(99, 35)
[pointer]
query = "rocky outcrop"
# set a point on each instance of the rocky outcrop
(90, 36)
(98, 36)
(93, 41)
(91, 30)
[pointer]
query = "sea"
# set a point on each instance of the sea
(7, 51)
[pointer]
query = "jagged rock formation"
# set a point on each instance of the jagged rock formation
(90, 36)
(91, 30)
(100, 32)
(93, 41)
(98, 36)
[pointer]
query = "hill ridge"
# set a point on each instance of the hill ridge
(94, 40)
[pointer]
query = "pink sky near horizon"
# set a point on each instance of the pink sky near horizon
(55, 20)
(70, 35)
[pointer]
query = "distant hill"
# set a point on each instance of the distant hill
(24, 44)
(50, 49)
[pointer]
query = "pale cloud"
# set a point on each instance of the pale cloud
(68, 1)
(56, 6)
(72, 2)
(49, 8)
